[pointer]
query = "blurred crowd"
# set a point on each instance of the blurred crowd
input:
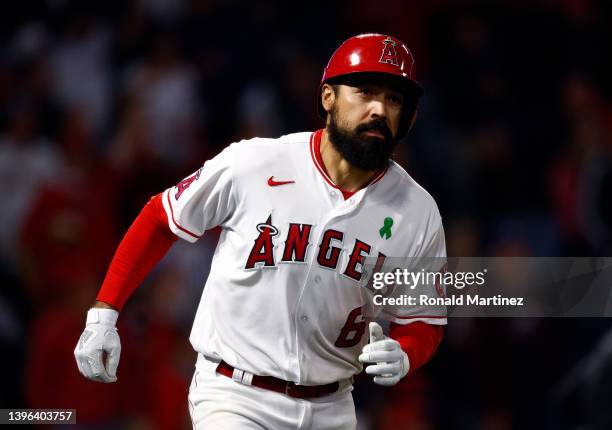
(104, 105)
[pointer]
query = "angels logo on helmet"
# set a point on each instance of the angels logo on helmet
(388, 54)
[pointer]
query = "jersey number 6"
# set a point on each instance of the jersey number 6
(353, 330)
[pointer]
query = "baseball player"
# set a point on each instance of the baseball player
(280, 330)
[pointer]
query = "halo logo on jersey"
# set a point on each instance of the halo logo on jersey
(262, 251)
(389, 55)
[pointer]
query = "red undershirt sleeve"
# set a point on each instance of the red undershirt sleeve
(146, 242)
(419, 340)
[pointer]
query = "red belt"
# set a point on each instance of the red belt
(281, 386)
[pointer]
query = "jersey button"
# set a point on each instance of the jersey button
(304, 318)
(317, 279)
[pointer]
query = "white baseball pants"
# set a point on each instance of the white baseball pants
(218, 402)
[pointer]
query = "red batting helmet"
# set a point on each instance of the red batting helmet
(375, 53)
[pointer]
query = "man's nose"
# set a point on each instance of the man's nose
(378, 108)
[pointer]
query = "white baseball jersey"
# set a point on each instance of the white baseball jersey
(283, 296)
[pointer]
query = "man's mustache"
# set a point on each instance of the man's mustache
(377, 125)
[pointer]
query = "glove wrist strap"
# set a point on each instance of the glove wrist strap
(102, 316)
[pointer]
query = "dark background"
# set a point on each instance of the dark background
(104, 104)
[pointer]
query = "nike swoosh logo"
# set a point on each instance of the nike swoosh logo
(274, 183)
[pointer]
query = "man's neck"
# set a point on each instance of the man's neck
(344, 175)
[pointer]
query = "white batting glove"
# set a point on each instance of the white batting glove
(391, 363)
(100, 336)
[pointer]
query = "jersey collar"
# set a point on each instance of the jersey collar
(315, 153)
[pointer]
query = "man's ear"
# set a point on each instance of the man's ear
(413, 119)
(328, 96)
(408, 120)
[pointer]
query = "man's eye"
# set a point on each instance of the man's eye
(396, 100)
(365, 91)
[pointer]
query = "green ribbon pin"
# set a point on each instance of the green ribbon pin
(385, 230)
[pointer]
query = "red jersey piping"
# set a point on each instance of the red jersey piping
(176, 224)
(315, 153)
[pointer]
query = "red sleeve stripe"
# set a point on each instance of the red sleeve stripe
(184, 230)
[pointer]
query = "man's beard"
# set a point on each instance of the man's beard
(359, 149)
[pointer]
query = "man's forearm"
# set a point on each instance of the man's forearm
(146, 242)
(419, 340)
